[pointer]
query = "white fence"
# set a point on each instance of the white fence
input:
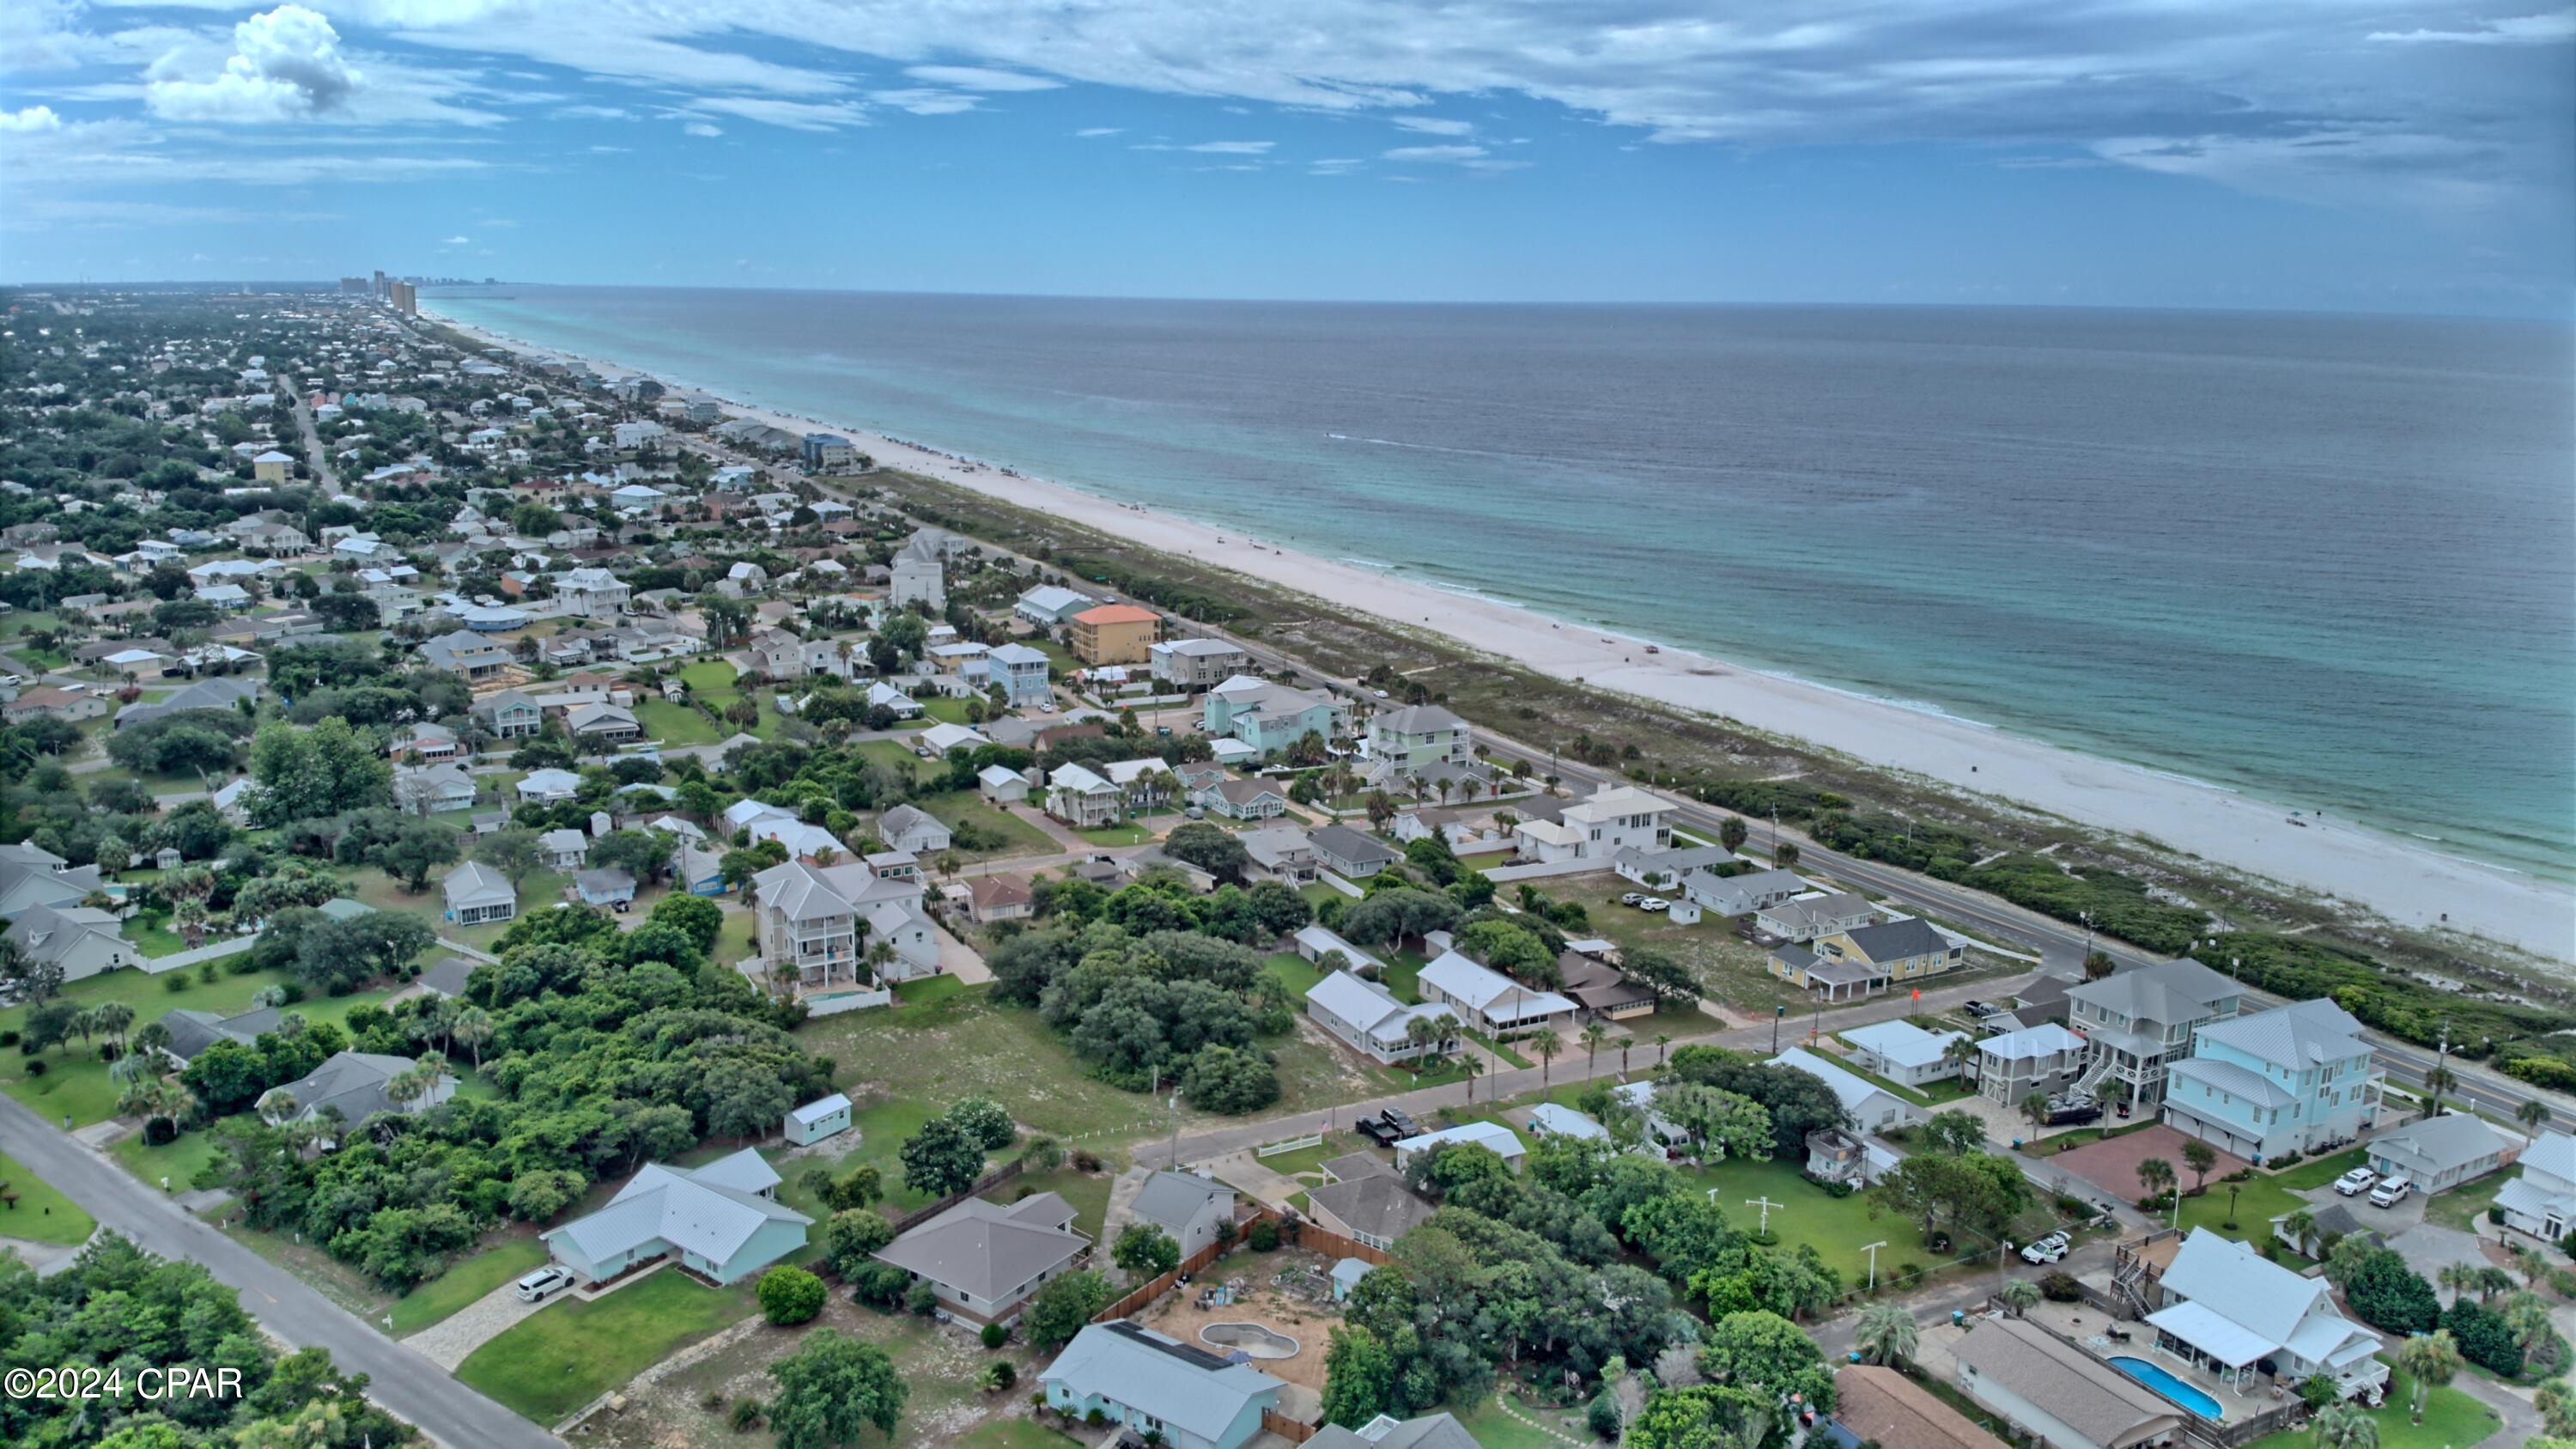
(1291, 1145)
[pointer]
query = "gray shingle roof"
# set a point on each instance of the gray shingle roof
(2175, 991)
(1172, 1199)
(2078, 1390)
(1379, 1205)
(1898, 940)
(987, 1249)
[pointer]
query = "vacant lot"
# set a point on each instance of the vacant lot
(571, 1352)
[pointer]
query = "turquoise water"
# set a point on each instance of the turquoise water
(2172, 1388)
(2330, 561)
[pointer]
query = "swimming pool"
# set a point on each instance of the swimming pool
(2171, 1387)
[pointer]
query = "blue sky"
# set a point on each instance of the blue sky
(2302, 153)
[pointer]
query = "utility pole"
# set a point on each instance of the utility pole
(1777, 1012)
(1872, 1250)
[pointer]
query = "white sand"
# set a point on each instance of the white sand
(2395, 878)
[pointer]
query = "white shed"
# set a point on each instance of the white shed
(819, 1119)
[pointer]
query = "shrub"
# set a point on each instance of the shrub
(1603, 1417)
(2059, 1286)
(2071, 1206)
(921, 1300)
(747, 1415)
(177, 981)
(790, 1295)
(2484, 1340)
(35, 1066)
(2387, 1294)
(2495, 1215)
(1085, 1160)
(995, 1335)
(997, 1376)
(8, 1038)
(1263, 1235)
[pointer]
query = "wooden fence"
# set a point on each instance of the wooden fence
(984, 1184)
(1292, 1233)
(1274, 1422)
(1316, 1238)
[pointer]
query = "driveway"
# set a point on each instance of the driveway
(447, 1342)
(958, 959)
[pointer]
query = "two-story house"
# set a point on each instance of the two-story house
(1271, 717)
(510, 715)
(2139, 1020)
(593, 593)
(1022, 674)
(2228, 1310)
(2294, 1078)
(1196, 663)
(1418, 736)
(1622, 818)
(2542, 1201)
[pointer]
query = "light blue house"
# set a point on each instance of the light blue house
(605, 887)
(718, 1221)
(699, 871)
(1271, 717)
(1022, 673)
(2296, 1077)
(1151, 1383)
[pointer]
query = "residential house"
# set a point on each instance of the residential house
(909, 827)
(1904, 1053)
(1112, 634)
(50, 701)
(1804, 918)
(1348, 853)
(1192, 664)
(1279, 852)
(1871, 1107)
(2138, 1020)
(1601, 990)
(1001, 784)
(1893, 951)
(1271, 718)
(1488, 999)
(1049, 605)
(1252, 799)
(1363, 1199)
(433, 789)
(1847, 979)
(449, 978)
(1188, 1208)
(1429, 1431)
(1494, 1137)
(425, 740)
(2228, 1309)
(721, 1221)
(222, 692)
(828, 452)
(1834, 1155)
(1367, 1017)
(991, 898)
(592, 593)
(510, 715)
(984, 1259)
(1418, 736)
(1162, 1390)
(917, 575)
(79, 940)
(548, 786)
(2066, 1398)
(25, 885)
(608, 888)
(2439, 1153)
(1620, 818)
(355, 1086)
(886, 697)
(563, 849)
(1880, 1406)
(2014, 1064)
(2294, 1078)
(935, 742)
(1315, 942)
(479, 895)
(467, 653)
(607, 723)
(192, 1032)
(1692, 871)
(1081, 798)
(2542, 1200)
(807, 919)
(1022, 673)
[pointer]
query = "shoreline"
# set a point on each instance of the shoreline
(2351, 864)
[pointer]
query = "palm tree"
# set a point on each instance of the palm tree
(2492, 1281)
(1663, 1047)
(2020, 1295)
(149, 1038)
(473, 1027)
(1959, 1054)
(2299, 1225)
(1474, 1066)
(2346, 1426)
(113, 1017)
(2429, 1360)
(2527, 1316)
(1420, 1033)
(2155, 1175)
(1886, 1334)
(2533, 1114)
(1546, 1046)
(1595, 1036)
(2436, 1082)
(2459, 1278)
(2034, 1110)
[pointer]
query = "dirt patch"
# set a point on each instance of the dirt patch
(1309, 1322)
(2111, 1164)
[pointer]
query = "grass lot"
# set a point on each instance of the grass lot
(321, 1272)
(2452, 1420)
(373, 887)
(965, 807)
(1490, 1426)
(1837, 1227)
(177, 1160)
(1294, 972)
(666, 723)
(1126, 832)
(30, 1208)
(571, 1352)
(2462, 1207)
(947, 710)
(2261, 1199)
(1087, 1191)
(712, 683)
(894, 756)
(465, 1282)
(1937, 1094)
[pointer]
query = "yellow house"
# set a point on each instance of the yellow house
(271, 467)
(1897, 950)
(1112, 634)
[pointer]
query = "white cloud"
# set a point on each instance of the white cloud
(977, 78)
(1436, 153)
(793, 115)
(1233, 148)
(2521, 30)
(286, 65)
(924, 101)
(32, 118)
(1092, 132)
(457, 241)
(701, 128)
(1435, 126)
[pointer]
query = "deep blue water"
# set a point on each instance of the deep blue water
(2329, 560)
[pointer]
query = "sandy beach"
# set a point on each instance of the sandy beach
(2395, 878)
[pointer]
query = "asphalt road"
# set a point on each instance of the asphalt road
(401, 1380)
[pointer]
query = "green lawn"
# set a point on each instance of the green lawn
(1808, 1214)
(666, 723)
(30, 1208)
(1087, 1191)
(894, 756)
(1493, 1428)
(2263, 1198)
(465, 1282)
(1295, 972)
(958, 808)
(2452, 1420)
(570, 1352)
(947, 710)
(1123, 833)
(177, 1160)
(2462, 1207)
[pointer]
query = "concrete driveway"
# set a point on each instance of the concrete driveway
(447, 1342)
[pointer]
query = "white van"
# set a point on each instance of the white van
(2391, 1190)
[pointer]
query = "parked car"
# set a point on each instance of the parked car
(2355, 1182)
(1388, 1127)
(1654, 903)
(2391, 1191)
(536, 1287)
(2073, 1113)
(2047, 1250)
(1632, 898)
(1980, 1009)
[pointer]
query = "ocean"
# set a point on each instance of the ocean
(2326, 560)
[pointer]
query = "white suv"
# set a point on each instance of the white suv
(2047, 1250)
(2390, 1192)
(541, 1284)
(2355, 1182)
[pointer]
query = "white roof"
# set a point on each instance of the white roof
(999, 775)
(944, 737)
(1610, 804)
(1494, 1135)
(1902, 1042)
(1076, 779)
(1321, 939)
(1562, 1121)
(2212, 1334)
(2454, 1139)
(2031, 1041)
(817, 1110)
(2300, 1035)
(2243, 1287)
(1130, 1365)
(1490, 992)
(701, 1210)
(1850, 1090)
(1370, 1007)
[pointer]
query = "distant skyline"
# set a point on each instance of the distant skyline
(2131, 153)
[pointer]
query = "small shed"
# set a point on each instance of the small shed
(1346, 1276)
(1684, 912)
(816, 1120)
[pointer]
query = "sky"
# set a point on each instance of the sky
(2310, 154)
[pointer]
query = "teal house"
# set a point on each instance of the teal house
(2295, 1078)
(719, 1221)
(1271, 717)
(1160, 1386)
